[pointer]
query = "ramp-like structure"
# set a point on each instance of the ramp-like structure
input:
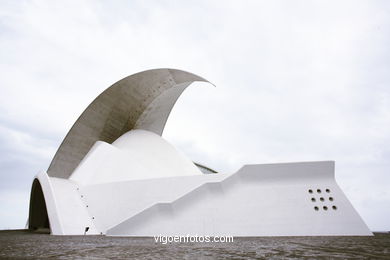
(115, 175)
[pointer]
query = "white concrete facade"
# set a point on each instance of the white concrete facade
(140, 185)
(138, 154)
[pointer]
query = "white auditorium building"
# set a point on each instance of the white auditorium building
(115, 175)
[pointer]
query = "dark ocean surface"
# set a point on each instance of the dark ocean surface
(25, 245)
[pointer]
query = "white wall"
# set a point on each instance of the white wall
(138, 154)
(259, 200)
(142, 186)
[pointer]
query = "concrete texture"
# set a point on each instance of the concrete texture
(25, 245)
(140, 101)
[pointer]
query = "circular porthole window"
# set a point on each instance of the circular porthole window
(310, 191)
(318, 190)
(316, 208)
(334, 207)
(322, 199)
(325, 207)
(331, 198)
(313, 199)
(327, 190)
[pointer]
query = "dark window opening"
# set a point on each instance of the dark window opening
(205, 169)
(38, 219)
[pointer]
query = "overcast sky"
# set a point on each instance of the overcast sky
(296, 81)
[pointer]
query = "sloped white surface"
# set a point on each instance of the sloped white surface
(259, 200)
(138, 154)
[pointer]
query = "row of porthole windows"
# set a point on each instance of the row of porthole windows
(322, 199)
(319, 191)
(82, 196)
(325, 208)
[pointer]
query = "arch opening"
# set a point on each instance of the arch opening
(38, 220)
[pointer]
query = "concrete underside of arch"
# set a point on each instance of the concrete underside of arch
(258, 200)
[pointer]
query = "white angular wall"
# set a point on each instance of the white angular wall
(118, 193)
(137, 154)
(258, 200)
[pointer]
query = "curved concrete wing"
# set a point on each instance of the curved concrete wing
(140, 101)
